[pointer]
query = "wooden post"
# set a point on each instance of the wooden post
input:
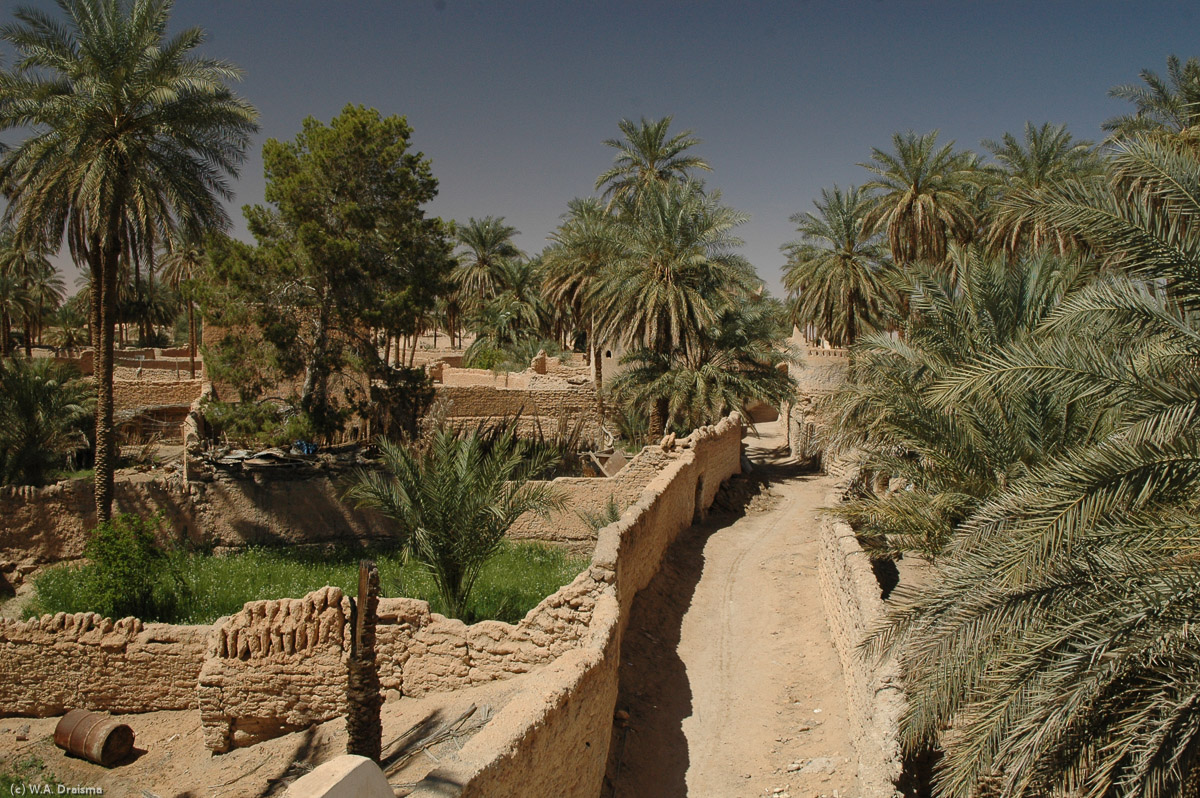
(363, 700)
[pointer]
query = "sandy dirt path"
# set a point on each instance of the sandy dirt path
(730, 684)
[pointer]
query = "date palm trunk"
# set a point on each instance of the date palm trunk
(104, 264)
(192, 338)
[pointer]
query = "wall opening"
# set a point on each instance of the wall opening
(701, 512)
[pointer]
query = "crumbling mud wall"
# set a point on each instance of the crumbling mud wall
(854, 608)
(275, 667)
(59, 662)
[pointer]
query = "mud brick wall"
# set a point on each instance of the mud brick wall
(275, 667)
(547, 407)
(589, 495)
(139, 394)
(552, 740)
(854, 608)
(39, 526)
(59, 662)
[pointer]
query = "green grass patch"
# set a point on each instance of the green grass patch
(511, 584)
(18, 776)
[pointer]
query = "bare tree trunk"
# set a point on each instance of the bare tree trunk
(364, 729)
(104, 286)
(28, 335)
(192, 337)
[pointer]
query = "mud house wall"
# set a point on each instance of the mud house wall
(59, 662)
(854, 608)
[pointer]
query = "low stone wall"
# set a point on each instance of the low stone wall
(854, 608)
(59, 662)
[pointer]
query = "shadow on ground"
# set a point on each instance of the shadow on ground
(648, 753)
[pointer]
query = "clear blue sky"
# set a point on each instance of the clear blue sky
(513, 100)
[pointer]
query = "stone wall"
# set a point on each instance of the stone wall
(854, 608)
(59, 662)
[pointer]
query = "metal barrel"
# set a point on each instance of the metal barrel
(95, 737)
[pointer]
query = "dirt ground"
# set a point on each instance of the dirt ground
(730, 684)
(170, 760)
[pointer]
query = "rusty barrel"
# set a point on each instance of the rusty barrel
(95, 737)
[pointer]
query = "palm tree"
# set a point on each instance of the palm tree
(583, 247)
(1057, 638)
(132, 136)
(455, 500)
(15, 301)
(739, 360)
(677, 273)
(922, 196)
(30, 265)
(646, 158)
(182, 265)
(836, 272)
(43, 413)
(1171, 105)
(1048, 155)
(486, 244)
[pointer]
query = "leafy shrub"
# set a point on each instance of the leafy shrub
(129, 574)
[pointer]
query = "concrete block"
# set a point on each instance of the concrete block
(344, 777)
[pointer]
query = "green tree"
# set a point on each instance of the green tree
(646, 158)
(923, 196)
(736, 361)
(132, 136)
(581, 248)
(183, 264)
(42, 289)
(15, 302)
(485, 247)
(44, 409)
(1057, 637)
(345, 247)
(836, 272)
(1047, 155)
(1171, 105)
(454, 501)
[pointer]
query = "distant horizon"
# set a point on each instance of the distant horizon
(512, 103)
